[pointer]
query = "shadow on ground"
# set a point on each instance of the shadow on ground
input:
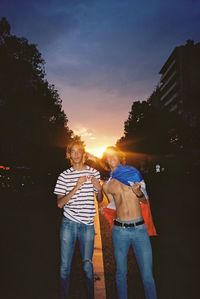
(30, 248)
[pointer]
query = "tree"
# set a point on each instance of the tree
(33, 126)
(152, 131)
(4, 27)
(152, 134)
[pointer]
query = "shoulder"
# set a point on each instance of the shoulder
(93, 171)
(133, 169)
(130, 167)
(65, 174)
(105, 187)
(110, 183)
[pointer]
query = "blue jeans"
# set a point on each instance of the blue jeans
(137, 238)
(71, 231)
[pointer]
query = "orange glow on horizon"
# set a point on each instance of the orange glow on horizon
(97, 151)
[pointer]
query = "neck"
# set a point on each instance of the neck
(113, 168)
(78, 166)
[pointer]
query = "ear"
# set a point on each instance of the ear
(67, 155)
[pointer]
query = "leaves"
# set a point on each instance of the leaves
(151, 130)
(31, 116)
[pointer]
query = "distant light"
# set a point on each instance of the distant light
(4, 167)
(97, 151)
(158, 168)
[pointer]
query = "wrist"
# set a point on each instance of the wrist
(138, 195)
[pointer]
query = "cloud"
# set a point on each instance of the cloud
(120, 46)
(85, 133)
(43, 22)
(102, 55)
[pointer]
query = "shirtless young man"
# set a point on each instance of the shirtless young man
(129, 229)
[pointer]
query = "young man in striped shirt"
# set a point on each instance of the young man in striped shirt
(75, 190)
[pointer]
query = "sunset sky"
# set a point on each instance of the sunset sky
(103, 54)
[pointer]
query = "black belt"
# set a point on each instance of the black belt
(124, 224)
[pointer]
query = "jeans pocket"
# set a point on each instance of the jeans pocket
(142, 228)
(66, 223)
(116, 228)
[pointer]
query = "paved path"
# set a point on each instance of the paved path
(30, 246)
(100, 292)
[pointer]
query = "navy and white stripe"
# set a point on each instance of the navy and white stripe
(81, 207)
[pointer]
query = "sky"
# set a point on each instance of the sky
(102, 55)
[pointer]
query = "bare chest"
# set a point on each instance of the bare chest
(115, 187)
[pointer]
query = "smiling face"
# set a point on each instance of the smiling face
(76, 154)
(112, 159)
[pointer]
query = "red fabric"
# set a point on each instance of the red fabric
(110, 215)
(146, 214)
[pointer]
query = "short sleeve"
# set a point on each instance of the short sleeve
(61, 186)
(96, 174)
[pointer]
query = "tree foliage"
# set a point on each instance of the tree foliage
(33, 126)
(153, 131)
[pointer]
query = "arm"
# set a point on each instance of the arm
(98, 187)
(99, 196)
(109, 197)
(136, 188)
(63, 199)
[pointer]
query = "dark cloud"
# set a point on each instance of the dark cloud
(104, 53)
(43, 22)
(119, 44)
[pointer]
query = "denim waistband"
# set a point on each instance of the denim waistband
(66, 219)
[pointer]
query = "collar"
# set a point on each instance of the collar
(86, 168)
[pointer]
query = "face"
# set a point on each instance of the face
(112, 159)
(76, 154)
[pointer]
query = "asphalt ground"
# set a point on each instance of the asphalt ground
(175, 207)
(29, 247)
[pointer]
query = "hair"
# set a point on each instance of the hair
(118, 152)
(71, 144)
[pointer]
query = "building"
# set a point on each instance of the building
(179, 86)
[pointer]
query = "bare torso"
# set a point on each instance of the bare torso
(127, 204)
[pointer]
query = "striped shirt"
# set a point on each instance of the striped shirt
(81, 207)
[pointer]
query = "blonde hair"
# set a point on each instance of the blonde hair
(118, 152)
(71, 144)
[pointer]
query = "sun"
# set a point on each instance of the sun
(97, 151)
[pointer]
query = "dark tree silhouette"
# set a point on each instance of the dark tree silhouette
(152, 131)
(151, 135)
(33, 126)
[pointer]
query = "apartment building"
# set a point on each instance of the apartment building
(179, 86)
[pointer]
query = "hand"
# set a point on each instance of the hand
(96, 183)
(136, 188)
(81, 181)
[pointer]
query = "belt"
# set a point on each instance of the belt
(124, 224)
